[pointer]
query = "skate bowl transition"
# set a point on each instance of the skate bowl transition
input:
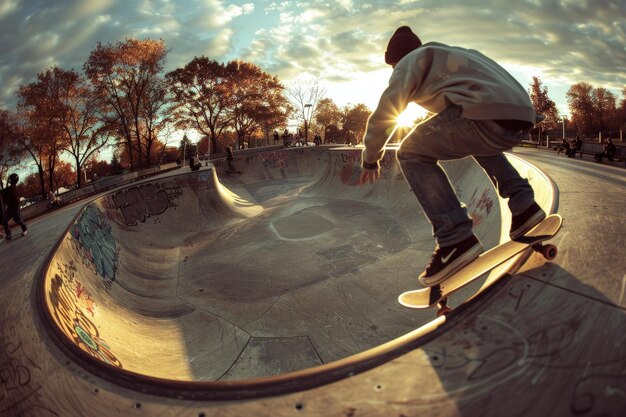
(284, 276)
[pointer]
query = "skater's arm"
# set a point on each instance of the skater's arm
(381, 124)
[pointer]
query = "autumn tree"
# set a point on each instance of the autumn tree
(203, 146)
(543, 105)
(604, 109)
(124, 75)
(327, 114)
(258, 103)
(581, 108)
(354, 122)
(98, 168)
(157, 119)
(30, 185)
(75, 110)
(8, 152)
(64, 175)
(202, 91)
(304, 96)
(38, 131)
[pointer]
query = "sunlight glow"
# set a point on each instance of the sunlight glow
(410, 114)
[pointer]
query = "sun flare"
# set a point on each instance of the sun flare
(410, 114)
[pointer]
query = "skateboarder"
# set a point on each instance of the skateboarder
(12, 211)
(230, 157)
(481, 111)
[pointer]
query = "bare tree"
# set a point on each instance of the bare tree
(305, 95)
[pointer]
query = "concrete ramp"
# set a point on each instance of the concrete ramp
(212, 277)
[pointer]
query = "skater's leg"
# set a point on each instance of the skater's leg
(418, 157)
(5, 222)
(508, 182)
(19, 221)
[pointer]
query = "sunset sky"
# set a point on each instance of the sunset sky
(342, 41)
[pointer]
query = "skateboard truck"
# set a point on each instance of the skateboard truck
(548, 251)
(442, 307)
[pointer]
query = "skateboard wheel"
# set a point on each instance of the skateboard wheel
(549, 252)
(443, 311)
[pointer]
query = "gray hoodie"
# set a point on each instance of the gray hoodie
(436, 76)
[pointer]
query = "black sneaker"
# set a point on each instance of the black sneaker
(524, 222)
(449, 259)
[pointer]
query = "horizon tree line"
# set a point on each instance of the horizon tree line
(122, 98)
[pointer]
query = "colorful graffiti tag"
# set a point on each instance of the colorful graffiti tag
(139, 203)
(74, 324)
(483, 204)
(93, 234)
(276, 159)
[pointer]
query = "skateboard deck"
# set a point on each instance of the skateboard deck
(431, 296)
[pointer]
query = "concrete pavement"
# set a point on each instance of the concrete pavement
(236, 259)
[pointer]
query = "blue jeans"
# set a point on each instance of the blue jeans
(15, 214)
(449, 135)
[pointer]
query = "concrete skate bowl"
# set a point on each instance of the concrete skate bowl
(283, 277)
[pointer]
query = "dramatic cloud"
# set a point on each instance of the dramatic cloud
(343, 41)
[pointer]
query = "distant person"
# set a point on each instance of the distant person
(286, 137)
(276, 137)
(576, 146)
(608, 151)
(563, 146)
(11, 199)
(54, 201)
(480, 111)
(300, 141)
(230, 157)
(317, 139)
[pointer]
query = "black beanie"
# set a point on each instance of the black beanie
(401, 43)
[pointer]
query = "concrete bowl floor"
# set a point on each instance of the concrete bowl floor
(213, 277)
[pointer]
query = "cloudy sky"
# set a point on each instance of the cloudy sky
(342, 41)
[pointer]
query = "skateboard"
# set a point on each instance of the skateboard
(437, 295)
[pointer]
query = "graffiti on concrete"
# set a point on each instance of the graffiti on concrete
(74, 324)
(276, 159)
(83, 296)
(480, 207)
(16, 382)
(349, 166)
(92, 233)
(139, 203)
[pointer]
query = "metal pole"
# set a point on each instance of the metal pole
(564, 128)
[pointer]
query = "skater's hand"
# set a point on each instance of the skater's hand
(370, 176)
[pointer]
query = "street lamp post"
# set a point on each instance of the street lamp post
(563, 120)
(307, 114)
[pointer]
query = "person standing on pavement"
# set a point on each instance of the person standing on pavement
(12, 211)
